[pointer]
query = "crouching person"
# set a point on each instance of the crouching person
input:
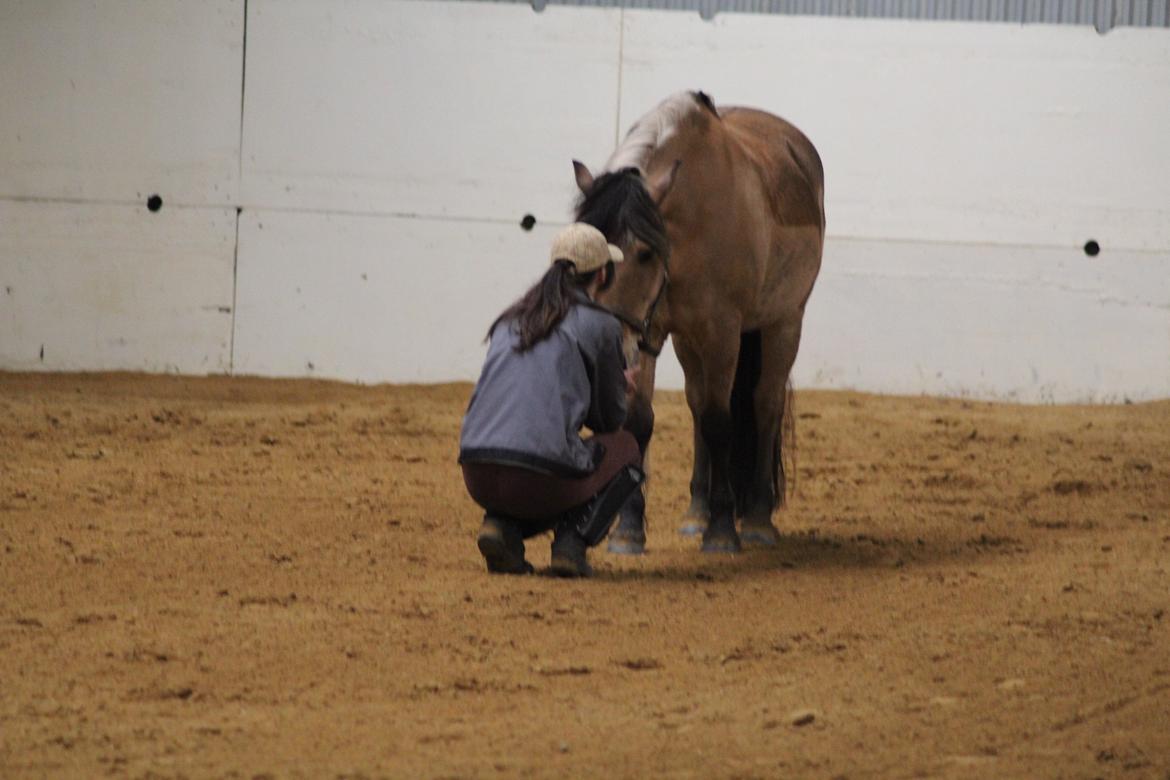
(554, 364)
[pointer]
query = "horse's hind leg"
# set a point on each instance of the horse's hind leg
(779, 345)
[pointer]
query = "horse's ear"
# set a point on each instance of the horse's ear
(706, 102)
(584, 177)
(661, 185)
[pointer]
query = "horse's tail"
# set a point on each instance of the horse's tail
(786, 456)
(743, 418)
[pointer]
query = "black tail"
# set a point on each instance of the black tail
(786, 459)
(743, 419)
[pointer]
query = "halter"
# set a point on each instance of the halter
(643, 327)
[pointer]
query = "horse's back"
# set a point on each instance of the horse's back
(786, 160)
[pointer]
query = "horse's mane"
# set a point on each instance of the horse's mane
(655, 128)
(619, 205)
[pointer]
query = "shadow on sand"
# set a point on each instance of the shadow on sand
(799, 552)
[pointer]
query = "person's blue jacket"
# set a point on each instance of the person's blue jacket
(528, 407)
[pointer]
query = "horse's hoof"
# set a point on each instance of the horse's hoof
(764, 535)
(692, 526)
(721, 543)
(626, 546)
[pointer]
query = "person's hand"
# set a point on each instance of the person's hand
(631, 380)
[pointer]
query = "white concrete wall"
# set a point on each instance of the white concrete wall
(112, 101)
(373, 298)
(101, 286)
(382, 153)
(102, 105)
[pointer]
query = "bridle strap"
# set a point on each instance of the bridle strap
(643, 328)
(644, 344)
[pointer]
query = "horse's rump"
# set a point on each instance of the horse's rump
(788, 164)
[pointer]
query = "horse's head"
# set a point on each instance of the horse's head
(624, 206)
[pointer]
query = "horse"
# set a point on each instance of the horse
(719, 212)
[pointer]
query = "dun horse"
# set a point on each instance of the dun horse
(720, 214)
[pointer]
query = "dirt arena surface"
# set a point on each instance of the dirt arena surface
(250, 578)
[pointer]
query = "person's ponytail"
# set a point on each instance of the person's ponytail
(546, 303)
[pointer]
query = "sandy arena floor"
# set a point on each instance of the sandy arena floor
(247, 578)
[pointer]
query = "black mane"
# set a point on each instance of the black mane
(620, 206)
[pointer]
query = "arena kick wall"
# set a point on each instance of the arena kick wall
(342, 185)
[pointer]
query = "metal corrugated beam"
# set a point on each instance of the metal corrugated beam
(1101, 14)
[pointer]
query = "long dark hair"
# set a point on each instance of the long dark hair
(540, 310)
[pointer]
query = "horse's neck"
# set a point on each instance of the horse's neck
(701, 150)
(634, 152)
(653, 131)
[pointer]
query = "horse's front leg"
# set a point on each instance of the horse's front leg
(629, 535)
(699, 512)
(709, 364)
(720, 535)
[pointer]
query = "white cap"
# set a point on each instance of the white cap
(585, 247)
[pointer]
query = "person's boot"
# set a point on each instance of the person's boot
(568, 550)
(502, 546)
(586, 526)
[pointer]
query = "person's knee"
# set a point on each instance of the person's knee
(628, 450)
(597, 516)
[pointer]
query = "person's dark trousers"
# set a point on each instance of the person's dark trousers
(536, 501)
